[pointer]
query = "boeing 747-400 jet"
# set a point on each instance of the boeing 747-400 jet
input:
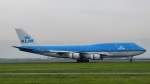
(81, 53)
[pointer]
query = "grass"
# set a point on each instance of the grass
(139, 67)
(75, 79)
(75, 67)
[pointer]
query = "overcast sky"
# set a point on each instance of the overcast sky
(74, 22)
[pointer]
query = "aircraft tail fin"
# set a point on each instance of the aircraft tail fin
(24, 37)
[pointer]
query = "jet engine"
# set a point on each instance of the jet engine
(95, 56)
(91, 56)
(74, 55)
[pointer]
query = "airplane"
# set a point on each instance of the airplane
(81, 53)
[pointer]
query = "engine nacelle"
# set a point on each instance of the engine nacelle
(95, 56)
(92, 56)
(74, 55)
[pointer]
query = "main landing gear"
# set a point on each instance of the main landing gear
(131, 58)
(101, 58)
(82, 60)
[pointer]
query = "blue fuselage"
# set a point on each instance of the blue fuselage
(107, 47)
(94, 52)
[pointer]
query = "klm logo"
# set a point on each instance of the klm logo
(27, 39)
(121, 48)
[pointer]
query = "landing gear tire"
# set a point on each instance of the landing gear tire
(82, 60)
(131, 59)
(101, 58)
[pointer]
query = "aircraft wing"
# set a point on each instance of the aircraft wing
(58, 51)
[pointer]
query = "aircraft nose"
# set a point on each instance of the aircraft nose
(143, 50)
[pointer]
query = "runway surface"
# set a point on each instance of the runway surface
(118, 73)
